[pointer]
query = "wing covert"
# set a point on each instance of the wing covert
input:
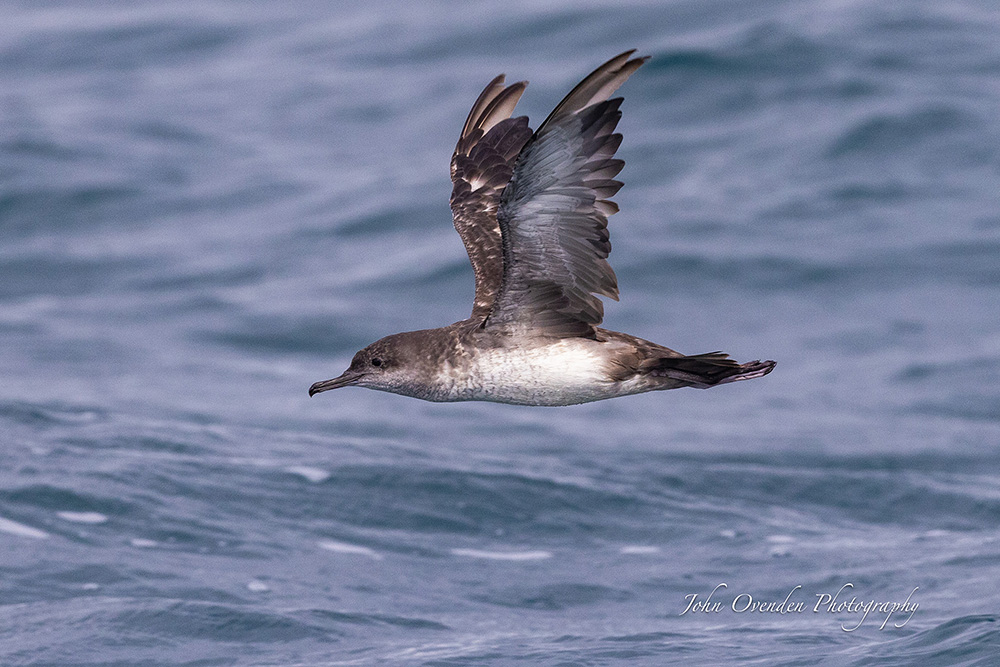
(481, 167)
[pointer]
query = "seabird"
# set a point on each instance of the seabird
(532, 209)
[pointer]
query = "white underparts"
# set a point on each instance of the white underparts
(564, 372)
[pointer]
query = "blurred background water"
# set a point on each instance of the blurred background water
(207, 206)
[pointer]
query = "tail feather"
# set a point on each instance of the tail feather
(708, 370)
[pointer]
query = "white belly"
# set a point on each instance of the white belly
(564, 372)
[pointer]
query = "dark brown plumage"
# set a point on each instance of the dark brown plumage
(532, 209)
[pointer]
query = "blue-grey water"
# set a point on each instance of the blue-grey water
(207, 206)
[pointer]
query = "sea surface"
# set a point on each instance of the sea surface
(206, 206)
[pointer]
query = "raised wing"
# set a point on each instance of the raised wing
(480, 169)
(553, 215)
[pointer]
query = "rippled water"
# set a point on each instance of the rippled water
(205, 207)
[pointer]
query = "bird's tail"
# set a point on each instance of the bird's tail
(708, 370)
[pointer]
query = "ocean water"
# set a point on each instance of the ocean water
(207, 206)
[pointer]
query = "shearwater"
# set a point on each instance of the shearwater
(532, 209)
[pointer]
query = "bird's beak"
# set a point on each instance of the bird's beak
(348, 378)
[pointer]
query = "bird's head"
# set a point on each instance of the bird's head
(387, 364)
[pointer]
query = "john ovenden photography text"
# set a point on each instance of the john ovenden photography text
(840, 602)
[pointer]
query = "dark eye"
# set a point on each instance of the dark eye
(376, 362)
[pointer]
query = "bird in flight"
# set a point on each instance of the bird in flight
(532, 209)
